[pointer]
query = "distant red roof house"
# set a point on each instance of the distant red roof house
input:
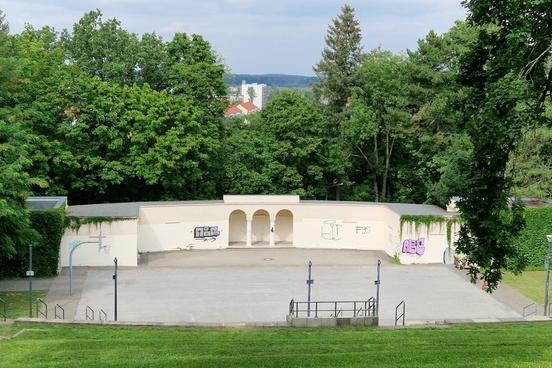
(248, 106)
(232, 111)
(243, 108)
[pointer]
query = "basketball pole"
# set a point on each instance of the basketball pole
(116, 264)
(377, 282)
(75, 245)
(547, 265)
(30, 273)
(310, 281)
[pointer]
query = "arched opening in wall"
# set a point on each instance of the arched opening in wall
(260, 229)
(283, 228)
(237, 225)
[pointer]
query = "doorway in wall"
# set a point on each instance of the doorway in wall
(283, 229)
(237, 225)
(260, 229)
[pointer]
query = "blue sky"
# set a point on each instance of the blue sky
(253, 36)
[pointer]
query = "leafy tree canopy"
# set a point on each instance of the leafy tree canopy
(509, 77)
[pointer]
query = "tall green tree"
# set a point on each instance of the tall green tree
(509, 78)
(294, 124)
(15, 187)
(341, 59)
(15, 182)
(35, 103)
(436, 96)
(279, 152)
(195, 71)
(338, 71)
(153, 62)
(380, 118)
(102, 48)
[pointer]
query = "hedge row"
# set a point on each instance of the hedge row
(532, 241)
(50, 226)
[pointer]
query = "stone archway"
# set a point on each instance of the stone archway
(283, 229)
(260, 229)
(237, 225)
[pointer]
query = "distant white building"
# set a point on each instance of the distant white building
(260, 93)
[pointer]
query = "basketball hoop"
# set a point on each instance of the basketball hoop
(77, 243)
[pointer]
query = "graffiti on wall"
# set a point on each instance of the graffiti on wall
(415, 247)
(362, 230)
(334, 230)
(331, 230)
(206, 233)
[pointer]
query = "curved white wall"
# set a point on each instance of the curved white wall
(276, 221)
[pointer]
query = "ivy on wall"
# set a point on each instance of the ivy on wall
(428, 220)
(531, 243)
(75, 223)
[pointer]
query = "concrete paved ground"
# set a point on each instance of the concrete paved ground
(246, 257)
(256, 285)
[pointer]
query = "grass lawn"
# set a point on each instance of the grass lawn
(18, 302)
(530, 284)
(490, 345)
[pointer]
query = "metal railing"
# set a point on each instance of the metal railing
(333, 309)
(59, 315)
(4, 310)
(41, 311)
(529, 310)
(403, 313)
(89, 312)
(101, 313)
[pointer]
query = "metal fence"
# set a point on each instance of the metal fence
(89, 312)
(530, 309)
(402, 314)
(333, 309)
(59, 312)
(41, 309)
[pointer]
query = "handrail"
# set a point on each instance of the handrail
(39, 312)
(4, 314)
(372, 305)
(525, 314)
(101, 313)
(336, 308)
(59, 316)
(397, 318)
(89, 316)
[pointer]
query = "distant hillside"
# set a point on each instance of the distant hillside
(272, 80)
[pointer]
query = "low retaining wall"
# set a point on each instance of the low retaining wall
(293, 321)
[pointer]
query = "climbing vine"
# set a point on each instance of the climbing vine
(75, 223)
(428, 220)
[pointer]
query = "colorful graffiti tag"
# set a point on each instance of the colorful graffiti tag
(415, 247)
